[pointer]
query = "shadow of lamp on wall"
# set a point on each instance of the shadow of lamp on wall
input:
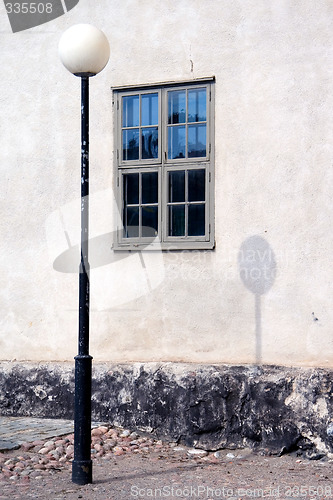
(257, 269)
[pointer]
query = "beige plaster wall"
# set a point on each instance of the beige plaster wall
(272, 60)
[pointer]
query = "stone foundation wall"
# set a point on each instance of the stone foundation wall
(274, 408)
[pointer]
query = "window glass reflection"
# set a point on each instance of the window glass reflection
(196, 220)
(149, 187)
(131, 144)
(197, 105)
(149, 143)
(196, 185)
(149, 109)
(131, 111)
(131, 189)
(176, 106)
(177, 220)
(132, 222)
(196, 141)
(176, 142)
(149, 221)
(176, 186)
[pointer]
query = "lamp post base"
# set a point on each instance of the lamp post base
(82, 472)
(82, 464)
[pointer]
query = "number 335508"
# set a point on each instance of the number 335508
(28, 8)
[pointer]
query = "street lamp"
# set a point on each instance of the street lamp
(84, 50)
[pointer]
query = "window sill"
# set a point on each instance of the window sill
(167, 247)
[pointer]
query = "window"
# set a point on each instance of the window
(164, 165)
(140, 128)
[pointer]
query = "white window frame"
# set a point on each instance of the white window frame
(163, 165)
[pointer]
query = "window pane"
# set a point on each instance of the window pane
(176, 106)
(177, 220)
(149, 109)
(176, 142)
(177, 186)
(196, 185)
(196, 140)
(149, 187)
(131, 189)
(149, 221)
(131, 111)
(196, 220)
(132, 222)
(197, 105)
(131, 144)
(149, 143)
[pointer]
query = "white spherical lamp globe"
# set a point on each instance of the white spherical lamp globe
(84, 50)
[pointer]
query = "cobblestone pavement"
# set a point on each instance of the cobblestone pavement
(16, 430)
(128, 466)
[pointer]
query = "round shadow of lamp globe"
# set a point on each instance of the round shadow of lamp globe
(257, 265)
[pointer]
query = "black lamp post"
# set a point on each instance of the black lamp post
(84, 51)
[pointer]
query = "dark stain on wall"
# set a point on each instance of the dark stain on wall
(269, 408)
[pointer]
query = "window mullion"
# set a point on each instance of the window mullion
(207, 198)
(161, 145)
(164, 158)
(124, 210)
(186, 203)
(140, 128)
(186, 124)
(164, 202)
(208, 123)
(140, 205)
